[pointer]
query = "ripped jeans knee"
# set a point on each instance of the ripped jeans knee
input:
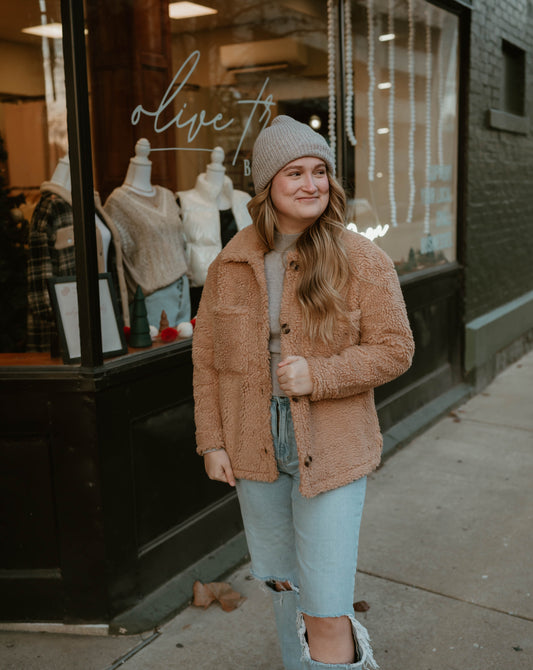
(278, 585)
(358, 657)
(330, 639)
(294, 636)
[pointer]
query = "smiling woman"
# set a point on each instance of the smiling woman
(291, 198)
(300, 194)
(294, 428)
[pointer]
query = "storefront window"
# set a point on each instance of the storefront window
(33, 138)
(177, 98)
(178, 93)
(403, 167)
(197, 84)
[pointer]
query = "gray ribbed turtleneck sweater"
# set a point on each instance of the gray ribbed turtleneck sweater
(275, 272)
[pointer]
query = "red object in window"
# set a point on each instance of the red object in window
(168, 334)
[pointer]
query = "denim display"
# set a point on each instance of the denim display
(177, 295)
(311, 543)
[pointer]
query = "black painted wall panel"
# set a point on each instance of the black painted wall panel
(28, 532)
(165, 463)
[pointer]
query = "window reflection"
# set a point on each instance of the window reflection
(243, 65)
(403, 169)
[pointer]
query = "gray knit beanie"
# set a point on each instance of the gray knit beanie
(283, 141)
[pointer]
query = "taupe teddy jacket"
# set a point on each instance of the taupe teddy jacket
(336, 427)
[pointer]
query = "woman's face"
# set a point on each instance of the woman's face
(300, 193)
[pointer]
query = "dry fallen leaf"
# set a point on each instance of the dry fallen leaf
(205, 594)
(361, 606)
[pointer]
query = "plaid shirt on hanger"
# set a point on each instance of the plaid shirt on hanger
(51, 254)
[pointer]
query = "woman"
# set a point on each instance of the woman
(300, 319)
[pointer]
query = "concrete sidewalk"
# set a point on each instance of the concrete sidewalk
(445, 563)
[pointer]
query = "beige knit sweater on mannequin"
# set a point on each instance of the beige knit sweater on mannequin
(150, 232)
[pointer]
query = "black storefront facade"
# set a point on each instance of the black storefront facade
(107, 516)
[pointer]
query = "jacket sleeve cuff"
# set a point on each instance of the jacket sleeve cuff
(318, 369)
(208, 441)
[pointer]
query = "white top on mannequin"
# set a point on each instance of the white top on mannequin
(214, 175)
(61, 177)
(140, 170)
(106, 238)
(200, 206)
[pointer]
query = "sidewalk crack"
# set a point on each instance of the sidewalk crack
(444, 595)
(126, 657)
(495, 423)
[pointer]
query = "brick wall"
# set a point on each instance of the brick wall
(499, 197)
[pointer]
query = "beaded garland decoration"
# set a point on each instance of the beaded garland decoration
(440, 89)
(349, 77)
(331, 81)
(391, 59)
(412, 109)
(429, 64)
(371, 90)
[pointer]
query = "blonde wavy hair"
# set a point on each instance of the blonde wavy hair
(323, 261)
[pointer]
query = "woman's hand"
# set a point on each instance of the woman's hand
(218, 466)
(294, 377)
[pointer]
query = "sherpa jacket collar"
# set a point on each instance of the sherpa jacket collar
(247, 247)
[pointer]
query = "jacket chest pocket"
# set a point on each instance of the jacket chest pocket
(231, 339)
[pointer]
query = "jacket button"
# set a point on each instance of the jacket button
(285, 329)
(307, 462)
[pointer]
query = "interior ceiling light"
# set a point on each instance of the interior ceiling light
(382, 131)
(315, 122)
(52, 30)
(384, 85)
(186, 10)
(387, 37)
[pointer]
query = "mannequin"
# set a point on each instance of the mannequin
(213, 211)
(51, 253)
(140, 170)
(149, 224)
(214, 173)
(61, 175)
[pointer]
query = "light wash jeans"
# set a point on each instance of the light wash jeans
(174, 299)
(309, 542)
